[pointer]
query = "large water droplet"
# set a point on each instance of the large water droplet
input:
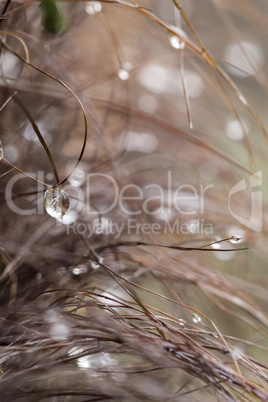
(1, 151)
(56, 202)
(93, 7)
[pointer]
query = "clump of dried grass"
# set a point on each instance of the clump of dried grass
(123, 317)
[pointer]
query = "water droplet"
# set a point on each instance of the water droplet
(56, 202)
(123, 74)
(79, 270)
(174, 40)
(235, 239)
(236, 235)
(182, 322)
(196, 318)
(1, 151)
(93, 7)
(94, 265)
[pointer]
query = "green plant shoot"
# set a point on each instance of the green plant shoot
(54, 19)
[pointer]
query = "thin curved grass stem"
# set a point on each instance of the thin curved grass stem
(77, 99)
(25, 174)
(39, 135)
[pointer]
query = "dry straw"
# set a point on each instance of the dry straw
(141, 130)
